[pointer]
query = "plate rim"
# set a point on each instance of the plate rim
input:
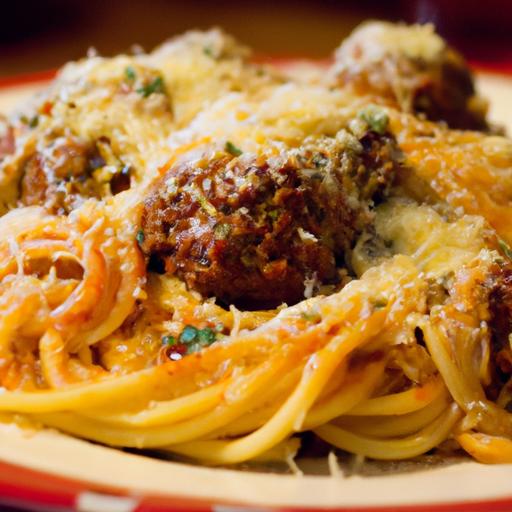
(56, 492)
(30, 477)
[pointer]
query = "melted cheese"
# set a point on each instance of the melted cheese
(438, 247)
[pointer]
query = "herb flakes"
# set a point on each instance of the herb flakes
(34, 122)
(232, 149)
(208, 51)
(130, 74)
(375, 117)
(222, 231)
(140, 237)
(156, 86)
(505, 248)
(189, 334)
(168, 340)
(195, 339)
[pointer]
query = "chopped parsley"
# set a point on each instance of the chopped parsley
(380, 303)
(207, 50)
(168, 340)
(189, 334)
(34, 122)
(190, 340)
(232, 149)
(505, 248)
(219, 327)
(156, 86)
(206, 336)
(140, 237)
(222, 231)
(195, 339)
(130, 74)
(205, 204)
(194, 347)
(311, 316)
(375, 117)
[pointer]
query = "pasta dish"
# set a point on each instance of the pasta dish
(210, 256)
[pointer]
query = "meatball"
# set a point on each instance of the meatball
(500, 303)
(413, 68)
(61, 175)
(252, 230)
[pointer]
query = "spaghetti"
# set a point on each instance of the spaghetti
(143, 272)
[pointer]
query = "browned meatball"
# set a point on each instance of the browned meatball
(500, 302)
(60, 176)
(415, 69)
(250, 231)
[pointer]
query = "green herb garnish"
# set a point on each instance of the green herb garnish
(232, 149)
(189, 334)
(168, 340)
(207, 50)
(195, 339)
(157, 85)
(222, 231)
(140, 237)
(194, 347)
(130, 74)
(206, 336)
(203, 201)
(375, 117)
(505, 248)
(380, 303)
(219, 327)
(34, 122)
(311, 316)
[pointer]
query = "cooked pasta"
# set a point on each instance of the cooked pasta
(206, 256)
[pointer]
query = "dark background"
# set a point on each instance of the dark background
(39, 35)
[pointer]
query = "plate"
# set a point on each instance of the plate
(48, 471)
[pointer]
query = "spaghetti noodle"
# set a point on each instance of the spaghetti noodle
(144, 270)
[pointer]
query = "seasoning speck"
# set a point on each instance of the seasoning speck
(156, 86)
(130, 74)
(232, 149)
(168, 340)
(375, 117)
